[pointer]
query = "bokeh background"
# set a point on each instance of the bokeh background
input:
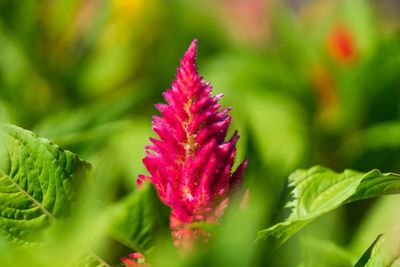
(310, 82)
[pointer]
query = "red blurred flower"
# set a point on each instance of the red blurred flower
(341, 44)
(190, 165)
(135, 260)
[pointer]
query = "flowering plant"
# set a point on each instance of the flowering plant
(190, 165)
(320, 86)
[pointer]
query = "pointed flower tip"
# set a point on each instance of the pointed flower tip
(193, 46)
(245, 162)
(242, 167)
(140, 180)
(191, 52)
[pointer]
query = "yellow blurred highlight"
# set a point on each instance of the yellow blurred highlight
(124, 17)
(126, 8)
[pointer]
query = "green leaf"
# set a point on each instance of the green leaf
(378, 137)
(139, 219)
(37, 182)
(319, 190)
(89, 123)
(321, 252)
(372, 224)
(384, 251)
(367, 254)
(90, 259)
(282, 139)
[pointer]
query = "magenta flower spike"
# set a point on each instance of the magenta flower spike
(190, 165)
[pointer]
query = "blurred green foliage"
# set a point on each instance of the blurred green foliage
(310, 82)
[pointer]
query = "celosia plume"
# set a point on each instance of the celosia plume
(190, 165)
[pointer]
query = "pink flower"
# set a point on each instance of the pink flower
(134, 260)
(190, 165)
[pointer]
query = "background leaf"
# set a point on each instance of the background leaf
(319, 252)
(367, 254)
(139, 219)
(382, 216)
(385, 251)
(319, 190)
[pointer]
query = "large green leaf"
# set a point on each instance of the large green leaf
(139, 219)
(37, 183)
(319, 190)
